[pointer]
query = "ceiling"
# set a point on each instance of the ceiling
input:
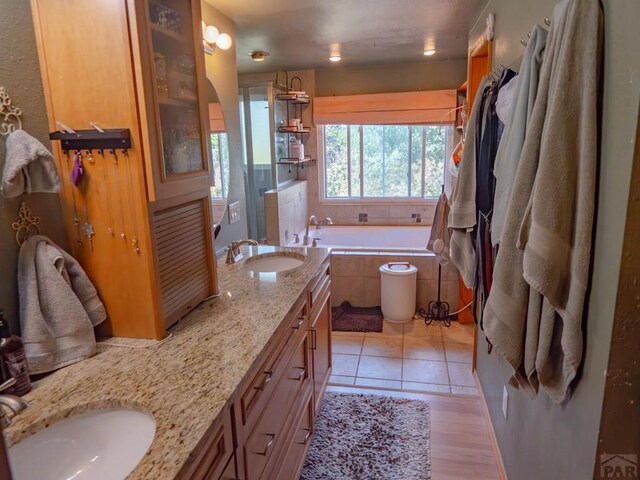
(299, 33)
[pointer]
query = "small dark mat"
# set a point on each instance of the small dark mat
(347, 318)
(370, 437)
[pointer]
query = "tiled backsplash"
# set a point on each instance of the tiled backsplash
(355, 278)
(377, 214)
(286, 211)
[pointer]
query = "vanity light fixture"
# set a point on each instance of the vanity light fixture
(429, 52)
(335, 57)
(258, 55)
(212, 38)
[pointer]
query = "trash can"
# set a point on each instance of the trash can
(398, 291)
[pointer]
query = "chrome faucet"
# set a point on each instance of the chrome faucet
(312, 221)
(234, 254)
(326, 221)
(10, 402)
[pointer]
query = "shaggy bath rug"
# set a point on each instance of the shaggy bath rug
(370, 437)
(355, 319)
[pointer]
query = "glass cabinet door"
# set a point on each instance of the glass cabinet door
(176, 83)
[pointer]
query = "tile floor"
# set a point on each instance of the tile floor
(413, 357)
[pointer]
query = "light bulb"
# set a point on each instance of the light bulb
(211, 34)
(224, 41)
(429, 52)
(335, 58)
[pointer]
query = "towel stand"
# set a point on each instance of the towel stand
(26, 225)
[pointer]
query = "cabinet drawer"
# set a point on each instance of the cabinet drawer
(264, 381)
(294, 456)
(215, 454)
(265, 438)
(317, 290)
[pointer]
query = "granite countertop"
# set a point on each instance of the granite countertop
(186, 380)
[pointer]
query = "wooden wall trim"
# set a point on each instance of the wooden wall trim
(492, 434)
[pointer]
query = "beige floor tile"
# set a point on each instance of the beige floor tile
(344, 364)
(468, 391)
(376, 382)
(348, 345)
(382, 347)
(380, 367)
(423, 348)
(425, 371)
(457, 333)
(460, 374)
(426, 387)
(359, 335)
(417, 328)
(341, 380)
(459, 352)
(389, 330)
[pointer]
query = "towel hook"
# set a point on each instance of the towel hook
(9, 114)
(547, 21)
(26, 224)
(523, 42)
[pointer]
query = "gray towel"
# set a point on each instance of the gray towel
(440, 230)
(510, 147)
(29, 167)
(58, 306)
(549, 220)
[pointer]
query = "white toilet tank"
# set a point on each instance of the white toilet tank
(398, 291)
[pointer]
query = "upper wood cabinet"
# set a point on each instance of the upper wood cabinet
(152, 255)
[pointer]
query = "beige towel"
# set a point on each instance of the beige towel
(58, 306)
(550, 214)
(29, 167)
(463, 213)
(440, 230)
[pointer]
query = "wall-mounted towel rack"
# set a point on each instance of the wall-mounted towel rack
(26, 225)
(523, 42)
(9, 114)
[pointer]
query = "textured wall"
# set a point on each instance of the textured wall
(540, 439)
(223, 74)
(404, 77)
(20, 75)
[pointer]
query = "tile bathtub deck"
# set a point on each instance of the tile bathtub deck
(411, 357)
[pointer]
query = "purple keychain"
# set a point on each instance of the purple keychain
(78, 170)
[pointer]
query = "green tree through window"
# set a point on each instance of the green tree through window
(385, 161)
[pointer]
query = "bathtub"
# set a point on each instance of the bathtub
(393, 237)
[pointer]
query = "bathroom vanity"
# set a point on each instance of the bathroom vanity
(234, 390)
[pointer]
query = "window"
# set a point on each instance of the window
(220, 158)
(385, 161)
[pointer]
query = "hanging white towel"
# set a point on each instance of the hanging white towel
(58, 306)
(29, 167)
(506, 99)
(510, 148)
(549, 221)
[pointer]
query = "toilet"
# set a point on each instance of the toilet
(398, 291)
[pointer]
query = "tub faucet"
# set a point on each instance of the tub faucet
(326, 221)
(10, 402)
(312, 221)
(234, 255)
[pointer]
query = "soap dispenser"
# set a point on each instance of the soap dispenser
(13, 361)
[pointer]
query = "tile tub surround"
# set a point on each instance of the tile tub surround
(412, 357)
(356, 277)
(286, 211)
(186, 381)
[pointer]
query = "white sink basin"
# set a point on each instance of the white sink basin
(274, 262)
(97, 445)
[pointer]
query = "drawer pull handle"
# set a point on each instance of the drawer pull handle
(299, 324)
(271, 437)
(301, 375)
(307, 436)
(314, 341)
(267, 379)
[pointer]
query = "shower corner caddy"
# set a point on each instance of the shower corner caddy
(298, 102)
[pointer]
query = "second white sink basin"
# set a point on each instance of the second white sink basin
(97, 445)
(274, 262)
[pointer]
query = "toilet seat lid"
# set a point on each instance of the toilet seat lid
(398, 268)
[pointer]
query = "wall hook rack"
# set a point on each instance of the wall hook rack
(26, 225)
(108, 138)
(9, 114)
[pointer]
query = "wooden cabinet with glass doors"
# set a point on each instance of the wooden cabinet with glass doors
(136, 65)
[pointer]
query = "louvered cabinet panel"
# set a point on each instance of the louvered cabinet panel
(183, 258)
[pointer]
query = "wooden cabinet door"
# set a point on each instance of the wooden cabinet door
(320, 331)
